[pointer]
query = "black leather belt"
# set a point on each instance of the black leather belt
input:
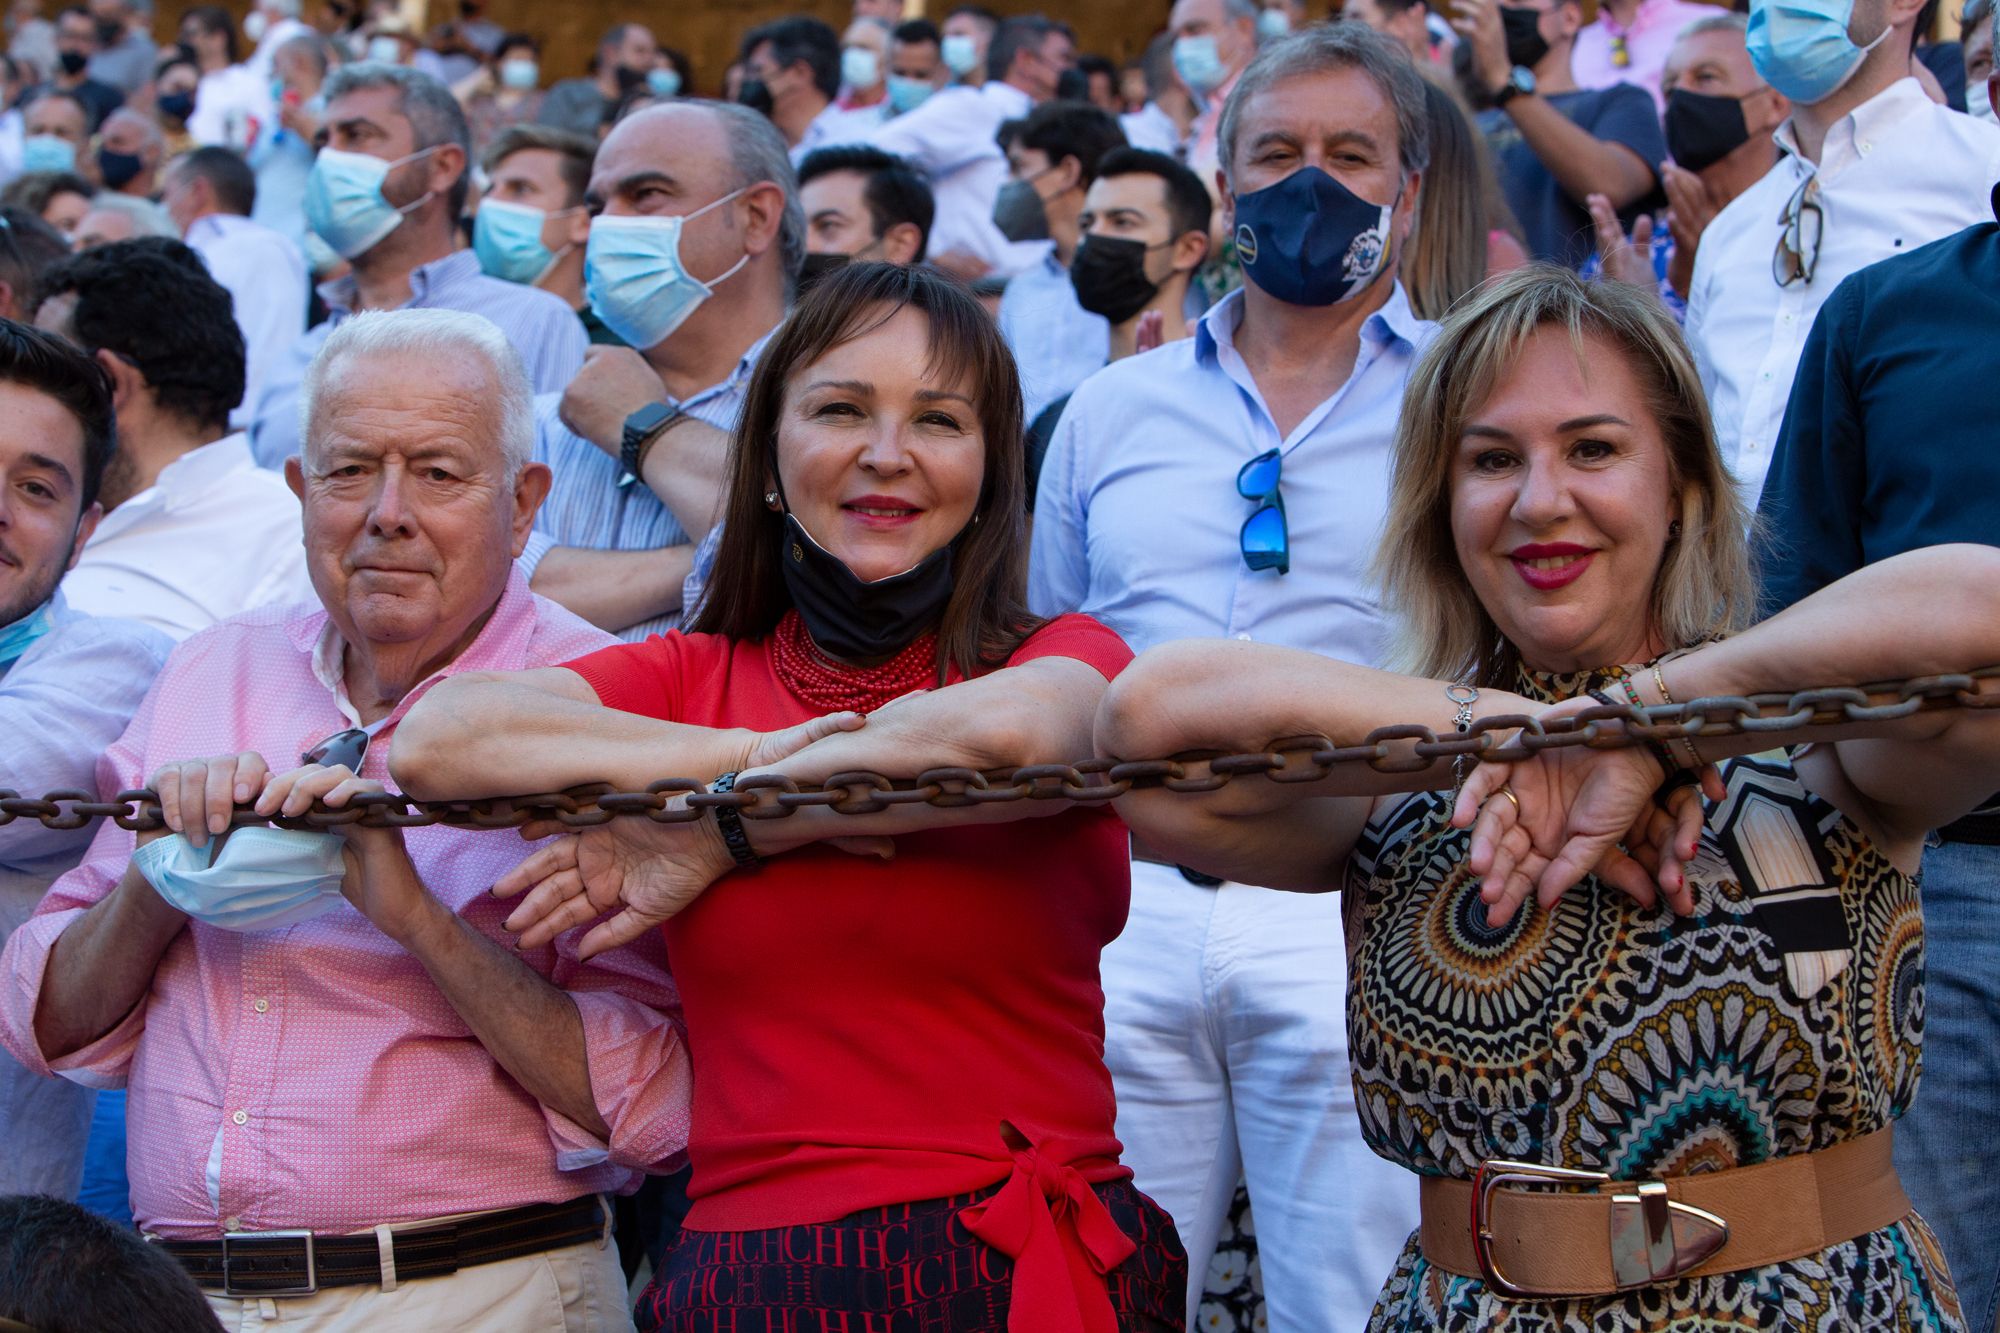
(253, 1264)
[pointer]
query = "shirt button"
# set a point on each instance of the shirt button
(232, 1223)
(241, 1117)
(1245, 638)
(261, 1006)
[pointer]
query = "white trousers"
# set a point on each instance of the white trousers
(577, 1289)
(1226, 1034)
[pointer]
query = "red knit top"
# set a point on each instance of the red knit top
(867, 1032)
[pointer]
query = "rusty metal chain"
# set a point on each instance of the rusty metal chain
(1290, 759)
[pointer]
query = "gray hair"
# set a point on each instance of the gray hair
(147, 125)
(757, 153)
(448, 336)
(147, 217)
(1236, 10)
(311, 45)
(434, 114)
(1329, 46)
(1723, 22)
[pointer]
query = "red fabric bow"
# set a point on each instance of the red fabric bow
(1062, 1241)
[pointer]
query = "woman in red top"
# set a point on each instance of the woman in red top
(901, 1116)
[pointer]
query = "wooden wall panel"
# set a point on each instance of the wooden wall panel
(709, 30)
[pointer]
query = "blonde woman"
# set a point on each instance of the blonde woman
(1464, 230)
(1738, 1011)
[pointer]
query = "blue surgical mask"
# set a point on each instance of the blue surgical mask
(520, 75)
(45, 152)
(1199, 64)
(960, 54)
(635, 280)
(385, 50)
(663, 82)
(1309, 240)
(507, 238)
(860, 67)
(344, 204)
(1273, 24)
(17, 638)
(908, 94)
(262, 879)
(1802, 49)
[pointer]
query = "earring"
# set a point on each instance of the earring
(771, 499)
(1673, 530)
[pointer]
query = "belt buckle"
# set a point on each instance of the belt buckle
(1491, 1175)
(232, 1240)
(1656, 1239)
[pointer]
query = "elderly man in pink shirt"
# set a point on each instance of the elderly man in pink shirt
(1629, 41)
(367, 1110)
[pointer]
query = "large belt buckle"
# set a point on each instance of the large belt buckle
(1653, 1238)
(234, 1243)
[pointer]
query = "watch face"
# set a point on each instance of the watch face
(647, 417)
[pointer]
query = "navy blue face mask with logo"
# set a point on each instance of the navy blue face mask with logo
(1309, 240)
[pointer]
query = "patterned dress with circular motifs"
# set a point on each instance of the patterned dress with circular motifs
(1784, 1016)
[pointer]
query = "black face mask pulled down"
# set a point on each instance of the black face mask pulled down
(856, 621)
(1702, 128)
(1525, 44)
(1109, 274)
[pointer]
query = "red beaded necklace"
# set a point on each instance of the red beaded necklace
(831, 687)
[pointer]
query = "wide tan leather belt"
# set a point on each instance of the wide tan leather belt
(1537, 1231)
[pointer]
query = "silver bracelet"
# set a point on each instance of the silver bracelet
(1464, 696)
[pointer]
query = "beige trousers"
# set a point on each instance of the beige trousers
(579, 1289)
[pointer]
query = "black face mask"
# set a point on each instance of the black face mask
(118, 169)
(1702, 128)
(859, 621)
(176, 106)
(108, 32)
(755, 95)
(1525, 44)
(1109, 273)
(72, 62)
(818, 267)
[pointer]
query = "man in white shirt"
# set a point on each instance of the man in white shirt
(951, 139)
(232, 102)
(1052, 159)
(194, 531)
(209, 194)
(1225, 1005)
(791, 73)
(1870, 168)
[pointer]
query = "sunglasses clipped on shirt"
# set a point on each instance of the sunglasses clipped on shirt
(1800, 228)
(1265, 540)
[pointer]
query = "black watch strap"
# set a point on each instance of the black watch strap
(641, 429)
(729, 821)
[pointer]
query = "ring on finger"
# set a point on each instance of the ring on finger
(1508, 792)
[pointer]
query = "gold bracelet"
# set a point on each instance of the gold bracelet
(1667, 696)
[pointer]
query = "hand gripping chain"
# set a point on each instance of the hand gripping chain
(1290, 759)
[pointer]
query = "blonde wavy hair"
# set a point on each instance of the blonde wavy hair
(1703, 588)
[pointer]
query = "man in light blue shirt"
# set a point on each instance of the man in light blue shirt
(618, 555)
(1234, 483)
(69, 683)
(411, 121)
(1052, 159)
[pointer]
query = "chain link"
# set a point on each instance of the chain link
(1498, 738)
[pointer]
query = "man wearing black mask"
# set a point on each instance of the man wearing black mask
(791, 73)
(1554, 143)
(128, 154)
(125, 54)
(861, 204)
(76, 43)
(624, 57)
(1720, 117)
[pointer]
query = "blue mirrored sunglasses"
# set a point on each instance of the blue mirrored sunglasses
(1265, 539)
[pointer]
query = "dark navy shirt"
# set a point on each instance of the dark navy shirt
(1889, 441)
(1559, 227)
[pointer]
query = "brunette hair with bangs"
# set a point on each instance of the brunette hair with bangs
(987, 616)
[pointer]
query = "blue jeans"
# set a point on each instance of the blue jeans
(1945, 1145)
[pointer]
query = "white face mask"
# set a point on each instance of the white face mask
(263, 879)
(635, 279)
(1979, 105)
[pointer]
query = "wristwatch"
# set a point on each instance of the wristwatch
(1520, 82)
(643, 427)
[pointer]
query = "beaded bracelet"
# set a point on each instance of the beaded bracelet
(729, 820)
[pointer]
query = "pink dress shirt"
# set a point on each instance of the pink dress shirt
(1654, 27)
(314, 1076)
